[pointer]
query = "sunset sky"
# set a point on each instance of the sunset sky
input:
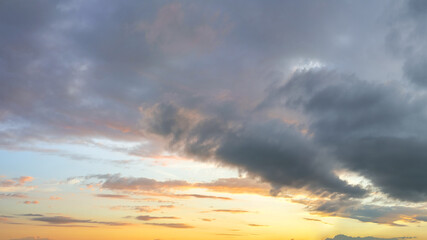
(212, 120)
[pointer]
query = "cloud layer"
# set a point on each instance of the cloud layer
(289, 92)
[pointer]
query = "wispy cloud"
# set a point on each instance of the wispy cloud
(171, 225)
(30, 215)
(31, 238)
(153, 187)
(208, 219)
(112, 196)
(201, 196)
(149, 218)
(344, 237)
(230, 211)
(256, 225)
(141, 209)
(55, 220)
(13, 195)
(315, 220)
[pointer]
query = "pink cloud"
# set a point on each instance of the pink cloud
(24, 179)
(16, 184)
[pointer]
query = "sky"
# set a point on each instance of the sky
(188, 120)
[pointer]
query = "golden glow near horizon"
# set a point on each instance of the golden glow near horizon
(131, 207)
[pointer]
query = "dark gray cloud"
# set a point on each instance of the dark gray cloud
(406, 39)
(273, 150)
(374, 129)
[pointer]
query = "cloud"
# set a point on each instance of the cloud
(202, 196)
(115, 182)
(323, 205)
(173, 29)
(146, 186)
(377, 213)
(230, 211)
(315, 220)
(7, 220)
(173, 32)
(59, 220)
(15, 185)
(145, 209)
(211, 82)
(237, 185)
(112, 196)
(31, 238)
(13, 195)
(208, 219)
(171, 225)
(372, 128)
(256, 225)
(406, 43)
(31, 202)
(344, 237)
(244, 146)
(31, 215)
(24, 179)
(149, 218)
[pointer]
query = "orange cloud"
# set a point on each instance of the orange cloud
(25, 179)
(237, 185)
(16, 184)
